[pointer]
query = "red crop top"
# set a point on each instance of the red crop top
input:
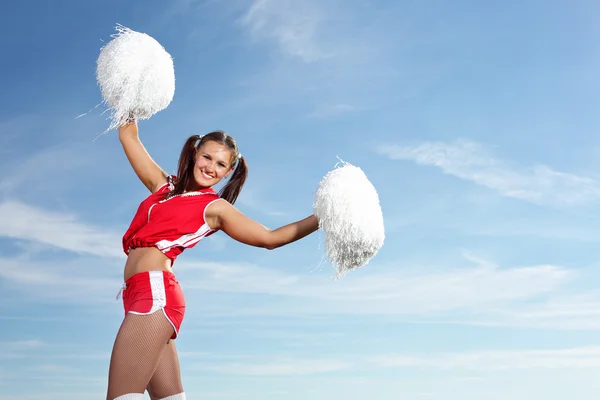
(170, 224)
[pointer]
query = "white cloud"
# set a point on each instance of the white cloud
(21, 345)
(46, 168)
(470, 161)
(20, 348)
(80, 290)
(33, 319)
(14, 129)
(406, 290)
(291, 24)
(81, 280)
(482, 295)
(466, 361)
(252, 198)
(64, 231)
(401, 292)
(57, 395)
(55, 369)
(564, 312)
(579, 357)
(281, 367)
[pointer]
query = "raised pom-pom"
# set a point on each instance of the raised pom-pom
(136, 76)
(348, 209)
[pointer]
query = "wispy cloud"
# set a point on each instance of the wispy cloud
(13, 129)
(252, 198)
(405, 290)
(279, 367)
(36, 319)
(471, 161)
(485, 294)
(63, 394)
(484, 288)
(292, 24)
(332, 58)
(55, 369)
(467, 361)
(45, 168)
(83, 280)
(21, 344)
(64, 231)
(393, 293)
(578, 357)
(565, 312)
(20, 348)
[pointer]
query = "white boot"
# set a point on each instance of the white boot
(131, 396)
(180, 396)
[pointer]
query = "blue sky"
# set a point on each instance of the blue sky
(476, 122)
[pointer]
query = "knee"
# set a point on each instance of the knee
(153, 394)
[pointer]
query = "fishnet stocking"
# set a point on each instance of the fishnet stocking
(166, 380)
(136, 352)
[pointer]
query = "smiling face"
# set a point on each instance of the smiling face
(214, 161)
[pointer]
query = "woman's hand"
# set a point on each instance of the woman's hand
(128, 130)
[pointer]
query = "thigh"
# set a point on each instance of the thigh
(136, 352)
(166, 380)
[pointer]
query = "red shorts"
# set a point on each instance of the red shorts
(147, 292)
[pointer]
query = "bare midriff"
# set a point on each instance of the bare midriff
(144, 259)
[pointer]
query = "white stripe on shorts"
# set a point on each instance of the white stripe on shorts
(157, 284)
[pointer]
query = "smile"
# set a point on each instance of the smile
(206, 176)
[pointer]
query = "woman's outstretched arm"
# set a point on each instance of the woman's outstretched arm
(151, 175)
(224, 216)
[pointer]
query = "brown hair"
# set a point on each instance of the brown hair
(185, 170)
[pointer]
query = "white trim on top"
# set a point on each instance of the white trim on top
(204, 213)
(165, 245)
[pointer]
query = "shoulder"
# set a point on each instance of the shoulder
(214, 212)
(217, 207)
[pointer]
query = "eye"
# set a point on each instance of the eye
(206, 156)
(222, 165)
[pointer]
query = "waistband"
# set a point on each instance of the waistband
(143, 276)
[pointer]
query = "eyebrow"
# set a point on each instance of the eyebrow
(204, 152)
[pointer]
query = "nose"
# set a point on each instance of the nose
(210, 166)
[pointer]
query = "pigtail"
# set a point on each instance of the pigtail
(233, 188)
(185, 169)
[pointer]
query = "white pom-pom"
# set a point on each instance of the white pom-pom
(136, 76)
(348, 209)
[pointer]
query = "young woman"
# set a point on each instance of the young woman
(179, 212)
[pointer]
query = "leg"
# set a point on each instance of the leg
(166, 380)
(136, 352)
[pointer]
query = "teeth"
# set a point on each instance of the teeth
(206, 176)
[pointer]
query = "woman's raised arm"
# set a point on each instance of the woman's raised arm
(149, 172)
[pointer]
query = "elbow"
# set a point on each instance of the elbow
(270, 245)
(270, 241)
